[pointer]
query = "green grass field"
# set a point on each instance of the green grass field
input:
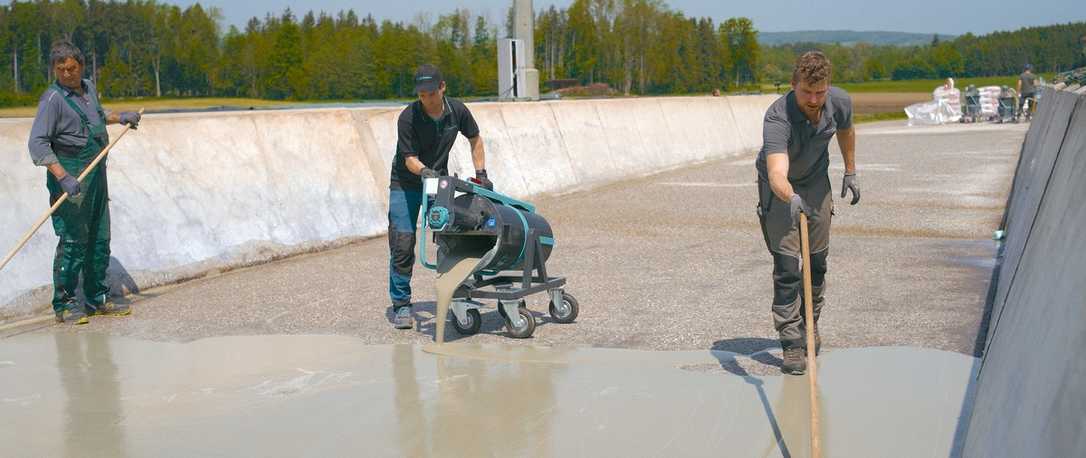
(873, 117)
(925, 85)
(153, 104)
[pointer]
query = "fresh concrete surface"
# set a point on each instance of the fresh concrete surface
(674, 261)
(94, 395)
(192, 193)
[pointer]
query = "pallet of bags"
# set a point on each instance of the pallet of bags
(989, 101)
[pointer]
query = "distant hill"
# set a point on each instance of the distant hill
(848, 37)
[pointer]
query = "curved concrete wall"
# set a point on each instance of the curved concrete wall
(1031, 388)
(196, 192)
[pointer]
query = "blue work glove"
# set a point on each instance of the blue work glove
(427, 172)
(131, 118)
(480, 176)
(797, 205)
(849, 183)
(70, 185)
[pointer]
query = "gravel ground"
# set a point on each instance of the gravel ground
(674, 261)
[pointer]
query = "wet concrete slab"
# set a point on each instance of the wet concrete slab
(92, 394)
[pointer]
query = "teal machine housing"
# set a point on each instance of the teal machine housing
(517, 242)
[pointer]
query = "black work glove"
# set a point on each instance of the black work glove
(131, 118)
(70, 185)
(485, 182)
(427, 172)
(797, 206)
(850, 183)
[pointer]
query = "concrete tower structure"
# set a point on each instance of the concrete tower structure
(518, 78)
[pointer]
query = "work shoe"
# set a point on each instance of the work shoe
(74, 314)
(111, 308)
(795, 361)
(404, 319)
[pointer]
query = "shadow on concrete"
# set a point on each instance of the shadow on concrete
(728, 362)
(120, 281)
(754, 347)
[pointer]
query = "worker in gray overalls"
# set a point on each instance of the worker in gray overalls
(793, 177)
(69, 131)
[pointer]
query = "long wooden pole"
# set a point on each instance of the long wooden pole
(63, 197)
(812, 361)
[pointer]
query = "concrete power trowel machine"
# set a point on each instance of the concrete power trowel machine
(514, 243)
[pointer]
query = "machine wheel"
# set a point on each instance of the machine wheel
(528, 327)
(472, 326)
(569, 310)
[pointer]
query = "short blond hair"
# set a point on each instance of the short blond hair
(812, 67)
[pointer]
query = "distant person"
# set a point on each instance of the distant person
(793, 177)
(68, 133)
(716, 92)
(427, 129)
(1027, 88)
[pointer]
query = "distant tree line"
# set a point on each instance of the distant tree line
(146, 48)
(1049, 49)
(643, 47)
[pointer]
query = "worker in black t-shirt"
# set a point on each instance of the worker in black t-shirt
(427, 129)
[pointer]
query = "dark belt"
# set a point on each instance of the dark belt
(70, 150)
(66, 150)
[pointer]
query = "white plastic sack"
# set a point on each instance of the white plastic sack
(952, 98)
(931, 113)
(989, 100)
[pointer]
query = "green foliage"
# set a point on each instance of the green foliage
(643, 47)
(140, 48)
(1050, 49)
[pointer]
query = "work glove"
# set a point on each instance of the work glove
(797, 205)
(849, 183)
(428, 173)
(480, 176)
(70, 185)
(131, 118)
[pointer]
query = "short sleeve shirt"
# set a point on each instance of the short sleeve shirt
(1028, 85)
(429, 139)
(786, 129)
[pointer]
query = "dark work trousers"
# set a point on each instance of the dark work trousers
(782, 238)
(403, 214)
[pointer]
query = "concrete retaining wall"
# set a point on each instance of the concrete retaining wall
(192, 193)
(1031, 389)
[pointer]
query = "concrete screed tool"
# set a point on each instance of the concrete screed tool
(506, 235)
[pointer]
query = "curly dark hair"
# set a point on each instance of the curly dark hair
(812, 67)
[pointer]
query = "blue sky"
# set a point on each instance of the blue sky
(923, 16)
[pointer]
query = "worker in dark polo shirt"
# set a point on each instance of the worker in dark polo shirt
(69, 131)
(427, 130)
(793, 177)
(1027, 89)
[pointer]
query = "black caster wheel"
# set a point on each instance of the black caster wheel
(567, 311)
(471, 325)
(527, 326)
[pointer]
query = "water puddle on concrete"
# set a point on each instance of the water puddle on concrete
(84, 394)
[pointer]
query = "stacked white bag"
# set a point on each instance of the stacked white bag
(989, 100)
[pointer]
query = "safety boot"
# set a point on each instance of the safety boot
(404, 318)
(73, 314)
(795, 361)
(110, 308)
